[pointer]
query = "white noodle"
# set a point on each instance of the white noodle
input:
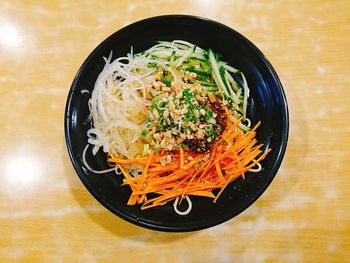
(247, 121)
(255, 170)
(93, 170)
(84, 91)
(117, 108)
(189, 208)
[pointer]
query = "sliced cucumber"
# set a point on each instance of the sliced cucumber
(216, 73)
(199, 72)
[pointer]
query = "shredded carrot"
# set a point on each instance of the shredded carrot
(197, 174)
(182, 161)
(219, 172)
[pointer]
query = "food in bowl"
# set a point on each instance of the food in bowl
(173, 121)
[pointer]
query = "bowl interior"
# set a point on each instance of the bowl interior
(267, 103)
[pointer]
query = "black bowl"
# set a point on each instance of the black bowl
(267, 103)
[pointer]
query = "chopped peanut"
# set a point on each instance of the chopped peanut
(165, 88)
(163, 143)
(200, 134)
(156, 85)
(159, 75)
(161, 84)
(179, 95)
(211, 97)
(192, 75)
(171, 104)
(156, 114)
(184, 110)
(182, 117)
(163, 160)
(199, 98)
(166, 113)
(167, 135)
(157, 137)
(176, 86)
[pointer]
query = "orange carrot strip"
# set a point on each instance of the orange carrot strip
(132, 200)
(191, 180)
(144, 171)
(182, 159)
(126, 175)
(231, 156)
(207, 166)
(220, 192)
(219, 172)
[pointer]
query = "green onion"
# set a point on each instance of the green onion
(147, 137)
(144, 133)
(187, 93)
(209, 130)
(177, 103)
(166, 82)
(157, 148)
(208, 114)
(160, 127)
(193, 101)
(185, 123)
(162, 104)
(196, 113)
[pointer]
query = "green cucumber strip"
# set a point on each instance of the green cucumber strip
(199, 72)
(172, 57)
(207, 84)
(245, 95)
(234, 84)
(216, 73)
(184, 57)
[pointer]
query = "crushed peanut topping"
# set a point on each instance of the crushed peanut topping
(182, 114)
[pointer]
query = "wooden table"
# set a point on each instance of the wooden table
(46, 214)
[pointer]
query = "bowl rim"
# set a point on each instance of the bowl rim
(274, 169)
